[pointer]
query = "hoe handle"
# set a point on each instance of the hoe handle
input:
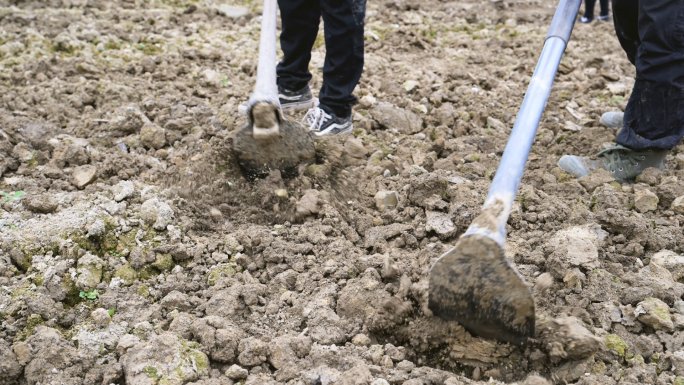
(508, 175)
(266, 89)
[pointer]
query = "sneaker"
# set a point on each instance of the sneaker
(290, 100)
(623, 162)
(585, 20)
(612, 119)
(322, 123)
(296, 100)
(604, 18)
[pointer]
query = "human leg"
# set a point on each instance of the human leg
(300, 19)
(344, 22)
(654, 117)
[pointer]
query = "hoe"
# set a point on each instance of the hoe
(268, 141)
(474, 283)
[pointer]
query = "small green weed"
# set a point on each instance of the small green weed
(6, 197)
(91, 295)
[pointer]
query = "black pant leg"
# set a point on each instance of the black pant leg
(300, 19)
(654, 117)
(589, 6)
(605, 8)
(626, 20)
(343, 22)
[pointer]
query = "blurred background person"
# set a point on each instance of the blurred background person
(589, 6)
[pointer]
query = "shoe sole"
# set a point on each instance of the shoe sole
(301, 106)
(347, 130)
(242, 108)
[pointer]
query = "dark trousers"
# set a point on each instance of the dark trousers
(589, 6)
(652, 34)
(343, 22)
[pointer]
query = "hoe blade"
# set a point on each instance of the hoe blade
(474, 284)
(292, 147)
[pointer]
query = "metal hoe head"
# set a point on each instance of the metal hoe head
(269, 142)
(474, 283)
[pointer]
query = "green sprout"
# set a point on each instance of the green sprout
(11, 196)
(91, 295)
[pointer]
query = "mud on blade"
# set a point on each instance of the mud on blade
(474, 285)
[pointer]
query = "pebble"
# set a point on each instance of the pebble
(232, 11)
(96, 229)
(645, 201)
(122, 190)
(236, 372)
(361, 340)
(83, 176)
(654, 313)
(281, 194)
(101, 316)
(152, 136)
(679, 306)
(43, 204)
(678, 205)
(386, 200)
(354, 147)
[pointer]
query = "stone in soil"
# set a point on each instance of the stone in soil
(42, 203)
(83, 176)
(655, 313)
(386, 200)
(165, 357)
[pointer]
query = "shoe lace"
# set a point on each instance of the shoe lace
(315, 118)
(621, 158)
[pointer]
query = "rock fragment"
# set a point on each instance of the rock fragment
(236, 372)
(595, 179)
(311, 203)
(252, 352)
(89, 270)
(386, 200)
(354, 148)
(678, 205)
(101, 316)
(42, 203)
(156, 213)
(572, 248)
(166, 357)
(232, 11)
(567, 338)
(440, 223)
(655, 313)
(390, 117)
(83, 176)
(645, 201)
(123, 190)
(10, 369)
(152, 136)
(671, 261)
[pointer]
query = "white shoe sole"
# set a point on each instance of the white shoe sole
(348, 130)
(242, 108)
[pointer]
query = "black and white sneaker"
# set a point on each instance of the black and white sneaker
(296, 100)
(290, 100)
(322, 123)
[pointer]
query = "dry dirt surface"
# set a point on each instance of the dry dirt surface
(134, 252)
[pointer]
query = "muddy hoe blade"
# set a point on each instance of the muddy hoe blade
(268, 141)
(474, 283)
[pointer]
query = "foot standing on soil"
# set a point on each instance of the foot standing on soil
(652, 35)
(344, 23)
(589, 11)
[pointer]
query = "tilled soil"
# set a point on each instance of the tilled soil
(133, 251)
